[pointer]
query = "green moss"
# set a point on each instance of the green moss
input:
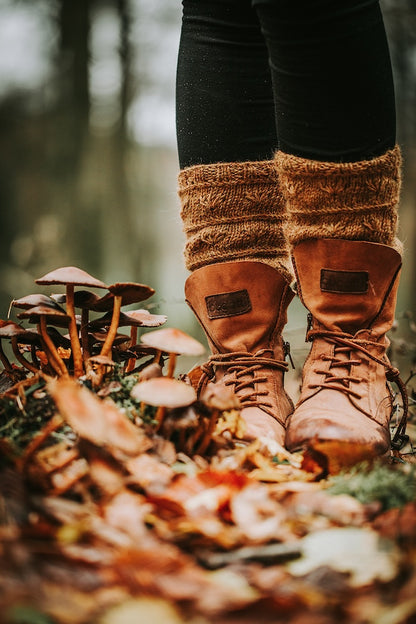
(391, 485)
(21, 421)
(121, 395)
(21, 614)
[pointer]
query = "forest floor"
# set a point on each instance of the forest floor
(106, 518)
(124, 498)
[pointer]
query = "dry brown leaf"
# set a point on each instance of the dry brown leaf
(56, 456)
(259, 517)
(101, 422)
(206, 492)
(108, 479)
(65, 478)
(150, 473)
(342, 509)
(337, 455)
(126, 512)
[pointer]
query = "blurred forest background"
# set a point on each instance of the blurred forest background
(87, 144)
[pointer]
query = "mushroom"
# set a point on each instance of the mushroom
(41, 315)
(97, 366)
(135, 319)
(101, 336)
(140, 318)
(151, 371)
(121, 293)
(130, 292)
(30, 301)
(3, 357)
(85, 300)
(70, 277)
(163, 392)
(218, 399)
(174, 342)
(14, 332)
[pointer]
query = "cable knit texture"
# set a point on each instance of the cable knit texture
(233, 211)
(353, 201)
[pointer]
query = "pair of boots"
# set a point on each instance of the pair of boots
(338, 223)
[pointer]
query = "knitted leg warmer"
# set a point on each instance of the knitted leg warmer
(233, 211)
(353, 201)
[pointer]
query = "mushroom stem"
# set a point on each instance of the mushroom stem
(84, 334)
(203, 445)
(35, 360)
(171, 365)
(133, 335)
(31, 367)
(160, 416)
(56, 361)
(131, 362)
(5, 360)
(73, 332)
(112, 330)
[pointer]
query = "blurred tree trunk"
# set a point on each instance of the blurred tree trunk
(400, 20)
(74, 23)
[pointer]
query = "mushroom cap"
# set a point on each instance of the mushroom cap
(59, 297)
(130, 292)
(82, 299)
(101, 337)
(163, 391)
(57, 338)
(56, 317)
(141, 350)
(136, 318)
(30, 301)
(151, 371)
(143, 318)
(70, 275)
(9, 329)
(103, 360)
(173, 340)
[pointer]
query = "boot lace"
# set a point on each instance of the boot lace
(346, 346)
(246, 372)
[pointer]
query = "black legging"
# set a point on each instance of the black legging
(311, 77)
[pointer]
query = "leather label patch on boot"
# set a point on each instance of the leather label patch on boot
(228, 304)
(346, 282)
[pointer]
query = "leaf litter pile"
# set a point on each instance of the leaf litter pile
(125, 499)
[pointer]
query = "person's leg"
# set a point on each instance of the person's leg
(232, 209)
(226, 134)
(224, 98)
(339, 171)
(333, 84)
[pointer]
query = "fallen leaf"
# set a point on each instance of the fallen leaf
(99, 421)
(259, 518)
(148, 472)
(339, 455)
(343, 509)
(358, 551)
(133, 611)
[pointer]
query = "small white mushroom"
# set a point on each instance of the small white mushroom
(174, 342)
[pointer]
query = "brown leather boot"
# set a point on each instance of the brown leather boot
(350, 289)
(242, 309)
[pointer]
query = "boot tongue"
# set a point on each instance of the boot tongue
(240, 305)
(346, 284)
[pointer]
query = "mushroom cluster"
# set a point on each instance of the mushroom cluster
(64, 341)
(75, 336)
